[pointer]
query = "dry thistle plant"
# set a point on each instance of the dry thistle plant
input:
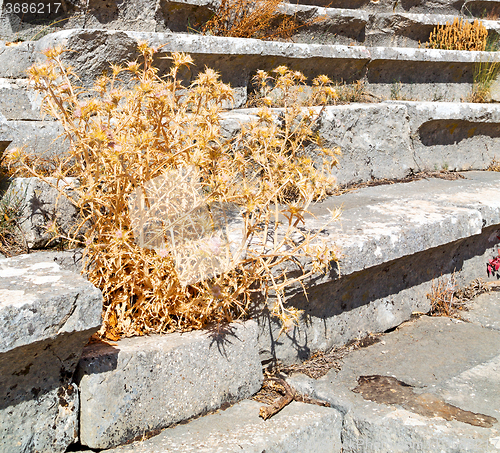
(156, 144)
(494, 165)
(283, 87)
(460, 35)
(254, 19)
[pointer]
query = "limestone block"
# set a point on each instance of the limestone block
(47, 316)
(40, 205)
(147, 383)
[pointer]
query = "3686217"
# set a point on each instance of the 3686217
(32, 8)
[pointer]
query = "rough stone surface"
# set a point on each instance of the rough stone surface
(382, 25)
(298, 428)
(146, 383)
(449, 359)
(414, 137)
(6, 135)
(47, 316)
(426, 73)
(17, 102)
(453, 136)
(43, 138)
(39, 206)
(69, 260)
(370, 148)
(485, 311)
(394, 240)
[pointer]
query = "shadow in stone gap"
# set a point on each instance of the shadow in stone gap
(449, 132)
(386, 284)
(386, 71)
(88, 360)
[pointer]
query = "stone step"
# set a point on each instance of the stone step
(414, 137)
(477, 8)
(142, 384)
(430, 385)
(410, 29)
(190, 15)
(485, 311)
(429, 74)
(394, 240)
(333, 25)
(47, 315)
(298, 428)
(418, 136)
(449, 401)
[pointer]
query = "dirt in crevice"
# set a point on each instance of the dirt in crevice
(389, 390)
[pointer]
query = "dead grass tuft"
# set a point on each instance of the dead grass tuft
(259, 19)
(449, 300)
(494, 165)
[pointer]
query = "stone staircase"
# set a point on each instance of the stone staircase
(395, 241)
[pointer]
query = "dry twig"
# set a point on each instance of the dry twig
(289, 395)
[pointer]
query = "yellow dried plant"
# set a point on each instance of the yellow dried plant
(147, 261)
(460, 35)
(260, 19)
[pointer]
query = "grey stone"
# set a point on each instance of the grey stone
(6, 135)
(298, 428)
(46, 423)
(402, 29)
(16, 58)
(138, 15)
(68, 260)
(453, 136)
(393, 241)
(453, 361)
(46, 19)
(39, 206)
(17, 101)
(484, 310)
(379, 23)
(425, 73)
(370, 148)
(414, 137)
(43, 138)
(47, 316)
(147, 383)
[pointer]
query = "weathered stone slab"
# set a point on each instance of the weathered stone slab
(47, 316)
(44, 138)
(446, 362)
(370, 148)
(18, 102)
(298, 428)
(402, 29)
(16, 58)
(454, 136)
(414, 137)
(40, 205)
(484, 310)
(146, 383)
(424, 73)
(394, 240)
